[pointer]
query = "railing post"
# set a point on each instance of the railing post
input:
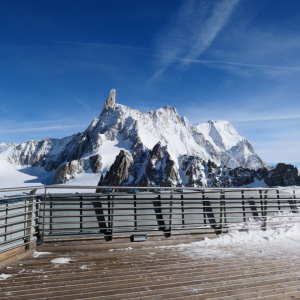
(5, 228)
(265, 224)
(182, 210)
(243, 203)
(29, 222)
(171, 213)
(108, 212)
(278, 197)
(81, 212)
(50, 213)
(294, 194)
(224, 208)
(135, 212)
(261, 202)
(37, 215)
(25, 217)
(221, 211)
(112, 215)
(203, 206)
(43, 232)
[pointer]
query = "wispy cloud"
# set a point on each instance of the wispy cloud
(86, 106)
(211, 27)
(207, 61)
(60, 127)
(238, 115)
(192, 31)
(264, 117)
(43, 122)
(105, 45)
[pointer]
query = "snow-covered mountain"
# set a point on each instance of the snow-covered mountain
(154, 148)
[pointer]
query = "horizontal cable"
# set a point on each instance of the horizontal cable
(185, 208)
(17, 222)
(17, 230)
(168, 212)
(190, 229)
(166, 225)
(141, 200)
(14, 247)
(18, 214)
(16, 197)
(17, 205)
(15, 239)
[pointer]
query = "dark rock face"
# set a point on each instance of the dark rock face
(160, 168)
(142, 168)
(69, 170)
(283, 175)
(156, 168)
(118, 173)
(96, 163)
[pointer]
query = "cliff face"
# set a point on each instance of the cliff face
(156, 168)
(160, 147)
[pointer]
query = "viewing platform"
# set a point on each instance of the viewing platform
(116, 244)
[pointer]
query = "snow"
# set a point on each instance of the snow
(253, 242)
(59, 145)
(37, 254)
(84, 179)
(61, 260)
(13, 175)
(5, 276)
(110, 149)
(256, 183)
(84, 267)
(220, 133)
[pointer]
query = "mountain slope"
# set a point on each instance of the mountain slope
(152, 141)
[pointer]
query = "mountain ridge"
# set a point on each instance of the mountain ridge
(184, 148)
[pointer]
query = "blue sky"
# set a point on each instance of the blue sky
(234, 60)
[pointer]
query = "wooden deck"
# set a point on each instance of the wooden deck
(154, 273)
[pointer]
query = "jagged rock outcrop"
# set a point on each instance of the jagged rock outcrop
(153, 168)
(69, 170)
(119, 171)
(110, 101)
(96, 163)
(157, 169)
(283, 175)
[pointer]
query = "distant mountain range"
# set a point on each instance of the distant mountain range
(157, 148)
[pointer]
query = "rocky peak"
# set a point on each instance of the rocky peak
(110, 101)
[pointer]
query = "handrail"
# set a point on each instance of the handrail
(3, 190)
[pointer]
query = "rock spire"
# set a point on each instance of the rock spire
(110, 101)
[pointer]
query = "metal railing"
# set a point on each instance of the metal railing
(18, 219)
(57, 212)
